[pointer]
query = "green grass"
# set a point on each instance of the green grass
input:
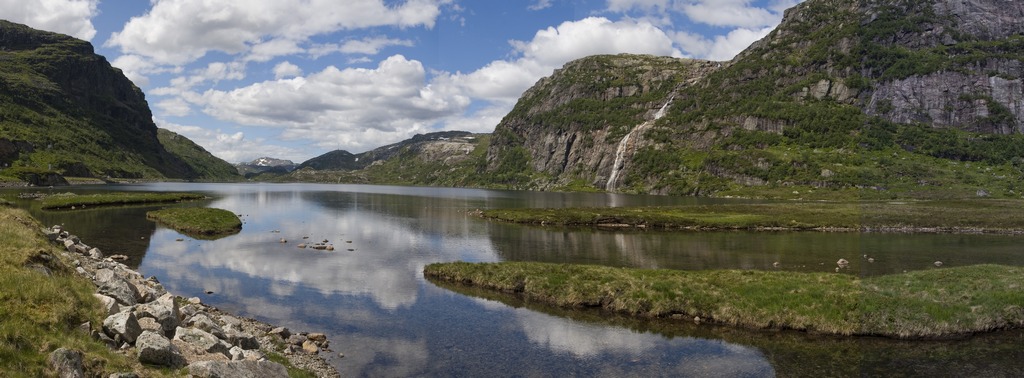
(923, 304)
(198, 220)
(67, 201)
(40, 313)
(993, 216)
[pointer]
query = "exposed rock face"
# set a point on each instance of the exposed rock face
(569, 124)
(940, 63)
(106, 126)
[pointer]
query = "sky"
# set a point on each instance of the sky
(294, 79)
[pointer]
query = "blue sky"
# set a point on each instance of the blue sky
(294, 79)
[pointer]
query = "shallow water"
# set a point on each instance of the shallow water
(370, 297)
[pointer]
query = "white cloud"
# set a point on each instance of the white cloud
(553, 47)
(539, 5)
(71, 17)
(351, 108)
(233, 147)
(176, 32)
(265, 51)
(174, 107)
(643, 5)
(366, 46)
(735, 13)
(286, 69)
(748, 20)
(722, 47)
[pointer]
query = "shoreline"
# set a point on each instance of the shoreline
(195, 336)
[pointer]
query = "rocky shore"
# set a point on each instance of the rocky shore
(146, 322)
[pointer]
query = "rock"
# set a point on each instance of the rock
(229, 320)
(309, 346)
(123, 324)
(281, 332)
(296, 339)
(301, 245)
(237, 354)
(116, 287)
(204, 322)
(109, 304)
(243, 340)
(983, 193)
(150, 324)
(317, 337)
(96, 253)
(156, 349)
(195, 300)
(66, 363)
(231, 369)
(843, 263)
(164, 310)
(253, 355)
(938, 264)
(70, 246)
(202, 341)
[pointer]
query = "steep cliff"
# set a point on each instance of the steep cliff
(887, 95)
(63, 108)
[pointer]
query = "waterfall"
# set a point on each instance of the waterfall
(620, 151)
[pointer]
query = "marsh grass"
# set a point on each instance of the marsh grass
(69, 201)
(997, 216)
(40, 312)
(198, 221)
(925, 304)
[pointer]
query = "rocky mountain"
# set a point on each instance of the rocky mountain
(883, 96)
(64, 109)
(264, 165)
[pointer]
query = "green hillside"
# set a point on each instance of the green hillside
(64, 109)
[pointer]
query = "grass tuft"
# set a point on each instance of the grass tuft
(198, 220)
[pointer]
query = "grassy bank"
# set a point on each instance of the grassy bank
(997, 216)
(198, 220)
(923, 304)
(69, 201)
(40, 311)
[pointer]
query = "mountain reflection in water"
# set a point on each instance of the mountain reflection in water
(377, 308)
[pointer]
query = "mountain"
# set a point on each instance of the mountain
(202, 162)
(265, 165)
(873, 97)
(64, 109)
(447, 158)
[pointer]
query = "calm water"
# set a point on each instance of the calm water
(370, 296)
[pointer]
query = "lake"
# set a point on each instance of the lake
(369, 295)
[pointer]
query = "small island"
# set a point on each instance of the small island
(70, 201)
(198, 221)
(936, 303)
(951, 216)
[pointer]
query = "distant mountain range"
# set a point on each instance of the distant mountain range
(265, 165)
